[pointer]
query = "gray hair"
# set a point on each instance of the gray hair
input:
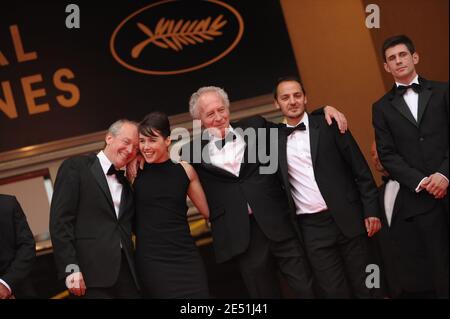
(114, 129)
(193, 102)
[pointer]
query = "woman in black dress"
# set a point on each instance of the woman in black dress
(168, 262)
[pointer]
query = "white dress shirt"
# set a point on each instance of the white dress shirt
(230, 157)
(114, 186)
(304, 188)
(390, 194)
(411, 97)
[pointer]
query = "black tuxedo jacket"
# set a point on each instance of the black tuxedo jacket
(17, 246)
(411, 150)
(83, 225)
(228, 195)
(342, 175)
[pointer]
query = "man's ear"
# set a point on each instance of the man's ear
(386, 67)
(415, 57)
(108, 139)
(276, 104)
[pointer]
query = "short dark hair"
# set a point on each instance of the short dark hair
(155, 123)
(289, 78)
(395, 40)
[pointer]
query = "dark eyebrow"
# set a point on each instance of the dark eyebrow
(391, 56)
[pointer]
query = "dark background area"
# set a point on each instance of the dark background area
(108, 90)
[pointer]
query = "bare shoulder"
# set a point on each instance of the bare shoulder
(190, 171)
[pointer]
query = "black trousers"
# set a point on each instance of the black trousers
(338, 263)
(415, 253)
(124, 288)
(433, 230)
(259, 265)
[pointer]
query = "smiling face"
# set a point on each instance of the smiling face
(122, 147)
(401, 63)
(213, 113)
(154, 148)
(291, 101)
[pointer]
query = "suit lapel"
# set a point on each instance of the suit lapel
(399, 103)
(125, 200)
(282, 155)
(248, 144)
(97, 172)
(424, 97)
(314, 138)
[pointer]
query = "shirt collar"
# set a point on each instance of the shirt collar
(415, 80)
(213, 138)
(304, 120)
(104, 162)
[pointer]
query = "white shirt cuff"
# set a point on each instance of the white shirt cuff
(76, 276)
(443, 176)
(6, 285)
(418, 189)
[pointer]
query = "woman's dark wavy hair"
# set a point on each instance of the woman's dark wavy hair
(155, 123)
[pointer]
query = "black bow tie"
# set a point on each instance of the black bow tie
(401, 89)
(119, 174)
(299, 127)
(229, 138)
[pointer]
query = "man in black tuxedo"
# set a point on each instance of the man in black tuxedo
(334, 196)
(17, 250)
(249, 213)
(91, 218)
(411, 124)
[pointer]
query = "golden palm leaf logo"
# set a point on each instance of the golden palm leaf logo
(173, 35)
(218, 30)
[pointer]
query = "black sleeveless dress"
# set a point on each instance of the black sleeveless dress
(167, 260)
